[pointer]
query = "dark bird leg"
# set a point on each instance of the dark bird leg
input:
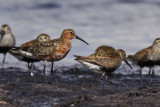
(52, 72)
(33, 66)
(102, 75)
(153, 72)
(44, 71)
(96, 79)
(140, 74)
(29, 68)
(3, 60)
(150, 69)
(106, 76)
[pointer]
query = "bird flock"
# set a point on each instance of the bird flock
(104, 60)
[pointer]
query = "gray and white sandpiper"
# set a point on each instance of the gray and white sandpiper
(147, 57)
(7, 41)
(105, 60)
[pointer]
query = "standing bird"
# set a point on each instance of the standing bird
(105, 60)
(147, 57)
(7, 41)
(17, 53)
(53, 50)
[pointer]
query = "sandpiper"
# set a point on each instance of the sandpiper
(105, 60)
(17, 53)
(147, 57)
(7, 40)
(53, 50)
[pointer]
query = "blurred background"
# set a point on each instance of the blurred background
(127, 24)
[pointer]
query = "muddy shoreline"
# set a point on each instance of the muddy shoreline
(77, 87)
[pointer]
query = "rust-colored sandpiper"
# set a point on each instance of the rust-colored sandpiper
(105, 60)
(147, 57)
(7, 41)
(53, 50)
(17, 53)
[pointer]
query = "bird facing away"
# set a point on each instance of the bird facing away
(17, 53)
(147, 57)
(7, 41)
(105, 60)
(53, 50)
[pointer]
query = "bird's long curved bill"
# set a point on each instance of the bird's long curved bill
(77, 37)
(128, 64)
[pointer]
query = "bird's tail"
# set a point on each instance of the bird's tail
(79, 57)
(15, 50)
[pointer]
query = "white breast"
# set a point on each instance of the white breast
(7, 41)
(154, 54)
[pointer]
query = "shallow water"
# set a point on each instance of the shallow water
(127, 24)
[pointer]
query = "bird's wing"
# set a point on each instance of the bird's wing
(105, 54)
(27, 45)
(86, 59)
(142, 54)
(43, 48)
(108, 59)
(104, 48)
(108, 62)
(139, 56)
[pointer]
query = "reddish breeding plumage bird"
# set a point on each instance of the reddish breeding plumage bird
(53, 50)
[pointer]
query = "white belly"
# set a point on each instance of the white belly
(93, 67)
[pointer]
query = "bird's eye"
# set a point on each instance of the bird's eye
(71, 33)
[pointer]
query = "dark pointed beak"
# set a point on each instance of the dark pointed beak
(128, 64)
(77, 37)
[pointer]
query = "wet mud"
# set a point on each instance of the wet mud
(76, 87)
